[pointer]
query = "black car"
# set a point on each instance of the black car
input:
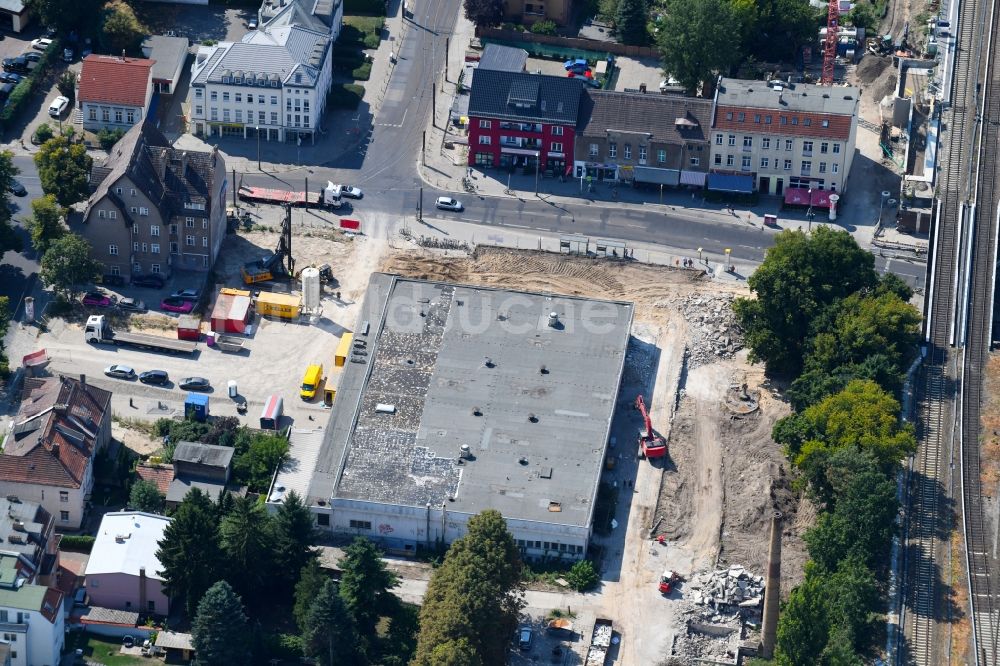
(11, 77)
(33, 56)
(159, 377)
(153, 280)
(17, 189)
(19, 64)
(195, 384)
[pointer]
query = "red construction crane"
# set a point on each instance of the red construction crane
(651, 445)
(830, 44)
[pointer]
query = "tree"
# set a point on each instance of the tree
(582, 576)
(863, 15)
(484, 13)
(853, 602)
(257, 465)
(293, 535)
(696, 40)
(67, 263)
(630, 21)
(311, 578)
(189, 551)
(67, 88)
(46, 223)
(329, 631)
(4, 325)
(64, 170)
(122, 30)
(219, 630)
(783, 27)
(365, 585)
(9, 238)
(803, 626)
(476, 594)
(800, 277)
(455, 653)
(145, 496)
(247, 540)
(67, 16)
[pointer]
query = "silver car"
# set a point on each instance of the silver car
(447, 203)
(119, 371)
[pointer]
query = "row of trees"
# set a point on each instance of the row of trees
(824, 316)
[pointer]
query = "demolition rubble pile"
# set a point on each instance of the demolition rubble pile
(724, 588)
(712, 325)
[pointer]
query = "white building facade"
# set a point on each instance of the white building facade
(32, 624)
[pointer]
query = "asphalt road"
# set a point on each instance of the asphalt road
(18, 268)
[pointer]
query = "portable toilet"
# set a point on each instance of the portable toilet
(196, 407)
(270, 416)
(233, 390)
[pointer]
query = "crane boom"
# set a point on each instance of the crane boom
(640, 404)
(830, 44)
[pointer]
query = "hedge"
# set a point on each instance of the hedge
(345, 96)
(76, 544)
(30, 83)
(363, 72)
(366, 7)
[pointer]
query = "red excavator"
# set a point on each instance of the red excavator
(651, 445)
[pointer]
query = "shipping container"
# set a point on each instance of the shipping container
(270, 416)
(286, 306)
(343, 349)
(330, 391)
(196, 407)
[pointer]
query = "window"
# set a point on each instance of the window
(483, 124)
(795, 120)
(741, 117)
(261, 117)
(214, 113)
(135, 246)
(113, 214)
(154, 268)
(556, 147)
(135, 229)
(807, 147)
(305, 107)
(732, 139)
(642, 154)
(360, 525)
(154, 230)
(756, 118)
(189, 222)
(106, 115)
(225, 115)
(305, 121)
(729, 115)
(835, 167)
(323, 519)
(806, 167)
(4, 616)
(822, 167)
(825, 123)
(748, 142)
(807, 121)
(225, 97)
(824, 148)
(239, 115)
(102, 214)
(137, 267)
(788, 144)
(746, 162)
(143, 248)
(204, 261)
(64, 516)
(173, 229)
(199, 110)
(767, 120)
(765, 162)
(718, 139)
(204, 224)
(288, 104)
(174, 248)
(189, 240)
(143, 211)
(788, 165)
(114, 271)
(154, 248)
(784, 120)
(765, 142)
(118, 190)
(593, 150)
(249, 98)
(113, 250)
(238, 97)
(695, 161)
(274, 117)
(214, 96)
(628, 151)
(557, 130)
(718, 160)
(93, 113)
(198, 93)
(612, 150)
(130, 117)
(661, 156)
(836, 149)
(152, 606)
(274, 100)
(730, 160)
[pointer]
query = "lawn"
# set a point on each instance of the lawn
(364, 31)
(103, 650)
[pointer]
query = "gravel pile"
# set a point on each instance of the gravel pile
(724, 588)
(713, 327)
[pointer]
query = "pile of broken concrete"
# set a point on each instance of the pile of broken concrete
(713, 327)
(722, 588)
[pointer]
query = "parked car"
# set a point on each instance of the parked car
(18, 64)
(67, 55)
(97, 299)
(16, 188)
(524, 636)
(252, 23)
(31, 56)
(351, 192)
(112, 280)
(153, 280)
(11, 77)
(58, 106)
(119, 371)
(447, 203)
(195, 384)
(159, 377)
(41, 43)
(131, 305)
(186, 294)
(176, 305)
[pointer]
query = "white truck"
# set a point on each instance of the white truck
(98, 331)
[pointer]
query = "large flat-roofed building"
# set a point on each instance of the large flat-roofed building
(456, 399)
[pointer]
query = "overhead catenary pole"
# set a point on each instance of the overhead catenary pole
(447, 41)
(433, 106)
(234, 187)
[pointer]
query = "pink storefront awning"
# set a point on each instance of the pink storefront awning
(799, 196)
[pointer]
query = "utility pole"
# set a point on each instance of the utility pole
(258, 149)
(433, 105)
(420, 206)
(234, 187)
(423, 147)
(447, 41)
(538, 165)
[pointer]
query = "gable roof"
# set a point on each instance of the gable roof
(55, 433)
(282, 53)
(209, 455)
(664, 118)
(522, 96)
(115, 80)
(159, 475)
(126, 542)
(503, 58)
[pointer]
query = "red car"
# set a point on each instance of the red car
(97, 299)
(176, 305)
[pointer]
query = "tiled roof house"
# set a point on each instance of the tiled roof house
(114, 92)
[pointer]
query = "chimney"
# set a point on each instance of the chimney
(142, 590)
(772, 592)
(55, 449)
(164, 156)
(184, 163)
(83, 379)
(123, 54)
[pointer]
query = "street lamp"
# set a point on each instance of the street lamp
(881, 203)
(699, 256)
(809, 213)
(729, 266)
(258, 148)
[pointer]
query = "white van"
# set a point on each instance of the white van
(58, 106)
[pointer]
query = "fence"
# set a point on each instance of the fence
(501, 34)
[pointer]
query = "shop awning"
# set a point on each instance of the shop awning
(693, 178)
(657, 176)
(800, 196)
(519, 151)
(729, 182)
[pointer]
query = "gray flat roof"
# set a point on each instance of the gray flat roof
(806, 97)
(537, 437)
(168, 52)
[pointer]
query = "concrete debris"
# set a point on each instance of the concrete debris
(712, 326)
(722, 588)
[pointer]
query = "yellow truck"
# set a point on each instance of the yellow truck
(311, 382)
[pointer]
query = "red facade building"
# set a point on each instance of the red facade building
(520, 120)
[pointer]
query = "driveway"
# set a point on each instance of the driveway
(199, 23)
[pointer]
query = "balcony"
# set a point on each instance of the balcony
(517, 142)
(522, 127)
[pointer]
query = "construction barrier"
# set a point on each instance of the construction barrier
(353, 225)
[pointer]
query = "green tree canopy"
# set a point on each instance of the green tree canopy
(46, 224)
(219, 630)
(484, 13)
(64, 170)
(783, 27)
(476, 594)
(145, 496)
(804, 625)
(365, 586)
(800, 277)
(9, 239)
(329, 632)
(122, 31)
(256, 466)
(4, 325)
(67, 264)
(67, 88)
(247, 540)
(189, 551)
(459, 652)
(863, 15)
(311, 579)
(293, 535)
(696, 39)
(631, 17)
(66, 16)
